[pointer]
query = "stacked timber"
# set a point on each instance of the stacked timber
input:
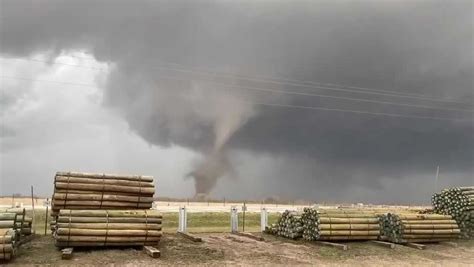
(459, 203)
(80, 191)
(96, 228)
(7, 244)
(23, 222)
(340, 225)
(336, 225)
(418, 228)
(289, 225)
(8, 220)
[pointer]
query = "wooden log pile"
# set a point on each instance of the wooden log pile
(23, 223)
(340, 225)
(8, 235)
(108, 228)
(7, 244)
(335, 225)
(8, 220)
(459, 203)
(80, 191)
(418, 228)
(289, 225)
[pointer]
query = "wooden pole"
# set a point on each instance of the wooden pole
(33, 206)
(243, 222)
(46, 218)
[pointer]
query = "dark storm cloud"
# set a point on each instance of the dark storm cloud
(421, 47)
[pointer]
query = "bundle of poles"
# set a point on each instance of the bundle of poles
(97, 210)
(8, 220)
(459, 203)
(289, 225)
(8, 235)
(418, 228)
(74, 190)
(94, 228)
(23, 223)
(337, 225)
(340, 225)
(7, 243)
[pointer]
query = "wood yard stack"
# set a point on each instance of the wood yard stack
(7, 244)
(337, 225)
(23, 222)
(95, 210)
(8, 236)
(419, 228)
(459, 203)
(8, 220)
(289, 225)
(108, 228)
(340, 225)
(74, 190)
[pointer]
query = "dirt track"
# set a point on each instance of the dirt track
(221, 249)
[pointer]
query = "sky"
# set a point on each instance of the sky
(329, 101)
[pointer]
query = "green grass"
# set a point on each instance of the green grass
(199, 222)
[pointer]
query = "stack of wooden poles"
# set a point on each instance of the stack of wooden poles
(91, 209)
(418, 228)
(8, 220)
(336, 225)
(108, 228)
(74, 190)
(289, 225)
(7, 244)
(23, 222)
(459, 203)
(8, 236)
(340, 225)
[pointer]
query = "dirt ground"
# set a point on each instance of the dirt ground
(228, 249)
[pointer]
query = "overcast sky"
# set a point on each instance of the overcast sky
(322, 100)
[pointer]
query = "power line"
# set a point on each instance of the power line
(277, 79)
(287, 83)
(305, 83)
(48, 81)
(288, 106)
(338, 89)
(358, 112)
(274, 91)
(328, 96)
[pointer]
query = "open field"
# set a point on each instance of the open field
(203, 206)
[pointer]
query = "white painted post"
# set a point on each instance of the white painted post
(234, 219)
(182, 220)
(263, 219)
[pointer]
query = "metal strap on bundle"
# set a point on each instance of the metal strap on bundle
(69, 228)
(4, 245)
(139, 190)
(67, 191)
(146, 227)
(103, 189)
(106, 227)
